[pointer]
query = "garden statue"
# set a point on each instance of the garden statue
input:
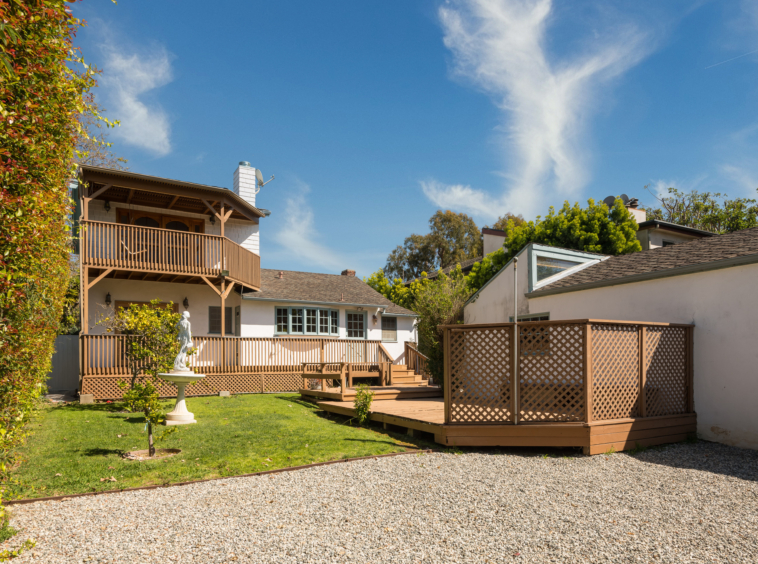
(185, 344)
(182, 375)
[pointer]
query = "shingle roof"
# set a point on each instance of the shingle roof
(667, 225)
(700, 254)
(320, 288)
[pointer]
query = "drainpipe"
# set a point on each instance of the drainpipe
(514, 399)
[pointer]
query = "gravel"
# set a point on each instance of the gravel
(681, 503)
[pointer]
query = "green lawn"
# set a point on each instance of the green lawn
(234, 435)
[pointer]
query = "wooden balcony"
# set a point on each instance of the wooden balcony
(165, 255)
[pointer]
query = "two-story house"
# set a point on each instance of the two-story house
(144, 238)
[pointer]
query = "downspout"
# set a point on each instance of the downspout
(514, 399)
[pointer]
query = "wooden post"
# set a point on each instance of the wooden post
(85, 300)
(514, 375)
(587, 355)
(690, 337)
(223, 221)
(389, 377)
(446, 372)
(643, 371)
(323, 352)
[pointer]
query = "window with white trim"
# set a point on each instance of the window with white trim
(356, 325)
(389, 328)
(306, 321)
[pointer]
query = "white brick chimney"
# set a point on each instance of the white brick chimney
(245, 182)
(244, 185)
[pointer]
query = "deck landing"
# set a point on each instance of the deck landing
(381, 393)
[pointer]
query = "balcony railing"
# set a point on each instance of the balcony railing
(148, 249)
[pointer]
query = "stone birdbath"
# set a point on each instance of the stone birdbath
(182, 375)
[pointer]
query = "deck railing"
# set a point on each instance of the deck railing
(130, 247)
(103, 355)
(416, 361)
(568, 371)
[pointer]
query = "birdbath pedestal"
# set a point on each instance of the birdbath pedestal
(180, 415)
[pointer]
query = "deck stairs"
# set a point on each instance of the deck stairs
(401, 374)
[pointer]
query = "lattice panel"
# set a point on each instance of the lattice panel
(480, 379)
(283, 382)
(666, 385)
(615, 372)
(104, 387)
(551, 373)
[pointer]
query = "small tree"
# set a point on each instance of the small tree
(396, 291)
(362, 403)
(150, 332)
(439, 302)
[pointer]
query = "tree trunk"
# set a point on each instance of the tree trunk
(151, 449)
(135, 373)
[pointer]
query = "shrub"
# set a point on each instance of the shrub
(362, 403)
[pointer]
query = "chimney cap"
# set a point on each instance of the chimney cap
(245, 163)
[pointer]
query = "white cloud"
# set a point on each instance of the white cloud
(126, 79)
(744, 177)
(298, 240)
(501, 47)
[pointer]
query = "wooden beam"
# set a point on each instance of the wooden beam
(229, 289)
(222, 294)
(100, 191)
(103, 274)
(221, 216)
(130, 196)
(210, 207)
(231, 209)
(171, 205)
(211, 285)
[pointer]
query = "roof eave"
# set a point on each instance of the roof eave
(677, 271)
(177, 183)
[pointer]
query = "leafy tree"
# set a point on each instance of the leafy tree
(70, 323)
(150, 332)
(452, 238)
(439, 302)
(396, 291)
(502, 221)
(594, 229)
(708, 211)
(43, 87)
(151, 345)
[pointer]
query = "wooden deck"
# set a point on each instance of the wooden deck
(598, 437)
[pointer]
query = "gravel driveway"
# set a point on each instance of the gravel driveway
(682, 503)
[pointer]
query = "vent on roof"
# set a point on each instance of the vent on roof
(280, 275)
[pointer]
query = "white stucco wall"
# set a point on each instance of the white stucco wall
(495, 301)
(258, 321)
(244, 233)
(199, 297)
(723, 305)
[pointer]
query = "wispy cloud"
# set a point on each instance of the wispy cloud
(127, 78)
(298, 240)
(501, 47)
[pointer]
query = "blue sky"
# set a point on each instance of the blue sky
(374, 114)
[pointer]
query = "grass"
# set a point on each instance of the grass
(234, 435)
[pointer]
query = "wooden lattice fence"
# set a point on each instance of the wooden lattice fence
(568, 371)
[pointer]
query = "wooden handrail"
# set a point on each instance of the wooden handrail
(416, 361)
(151, 249)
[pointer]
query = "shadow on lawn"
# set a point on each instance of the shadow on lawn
(102, 452)
(93, 407)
